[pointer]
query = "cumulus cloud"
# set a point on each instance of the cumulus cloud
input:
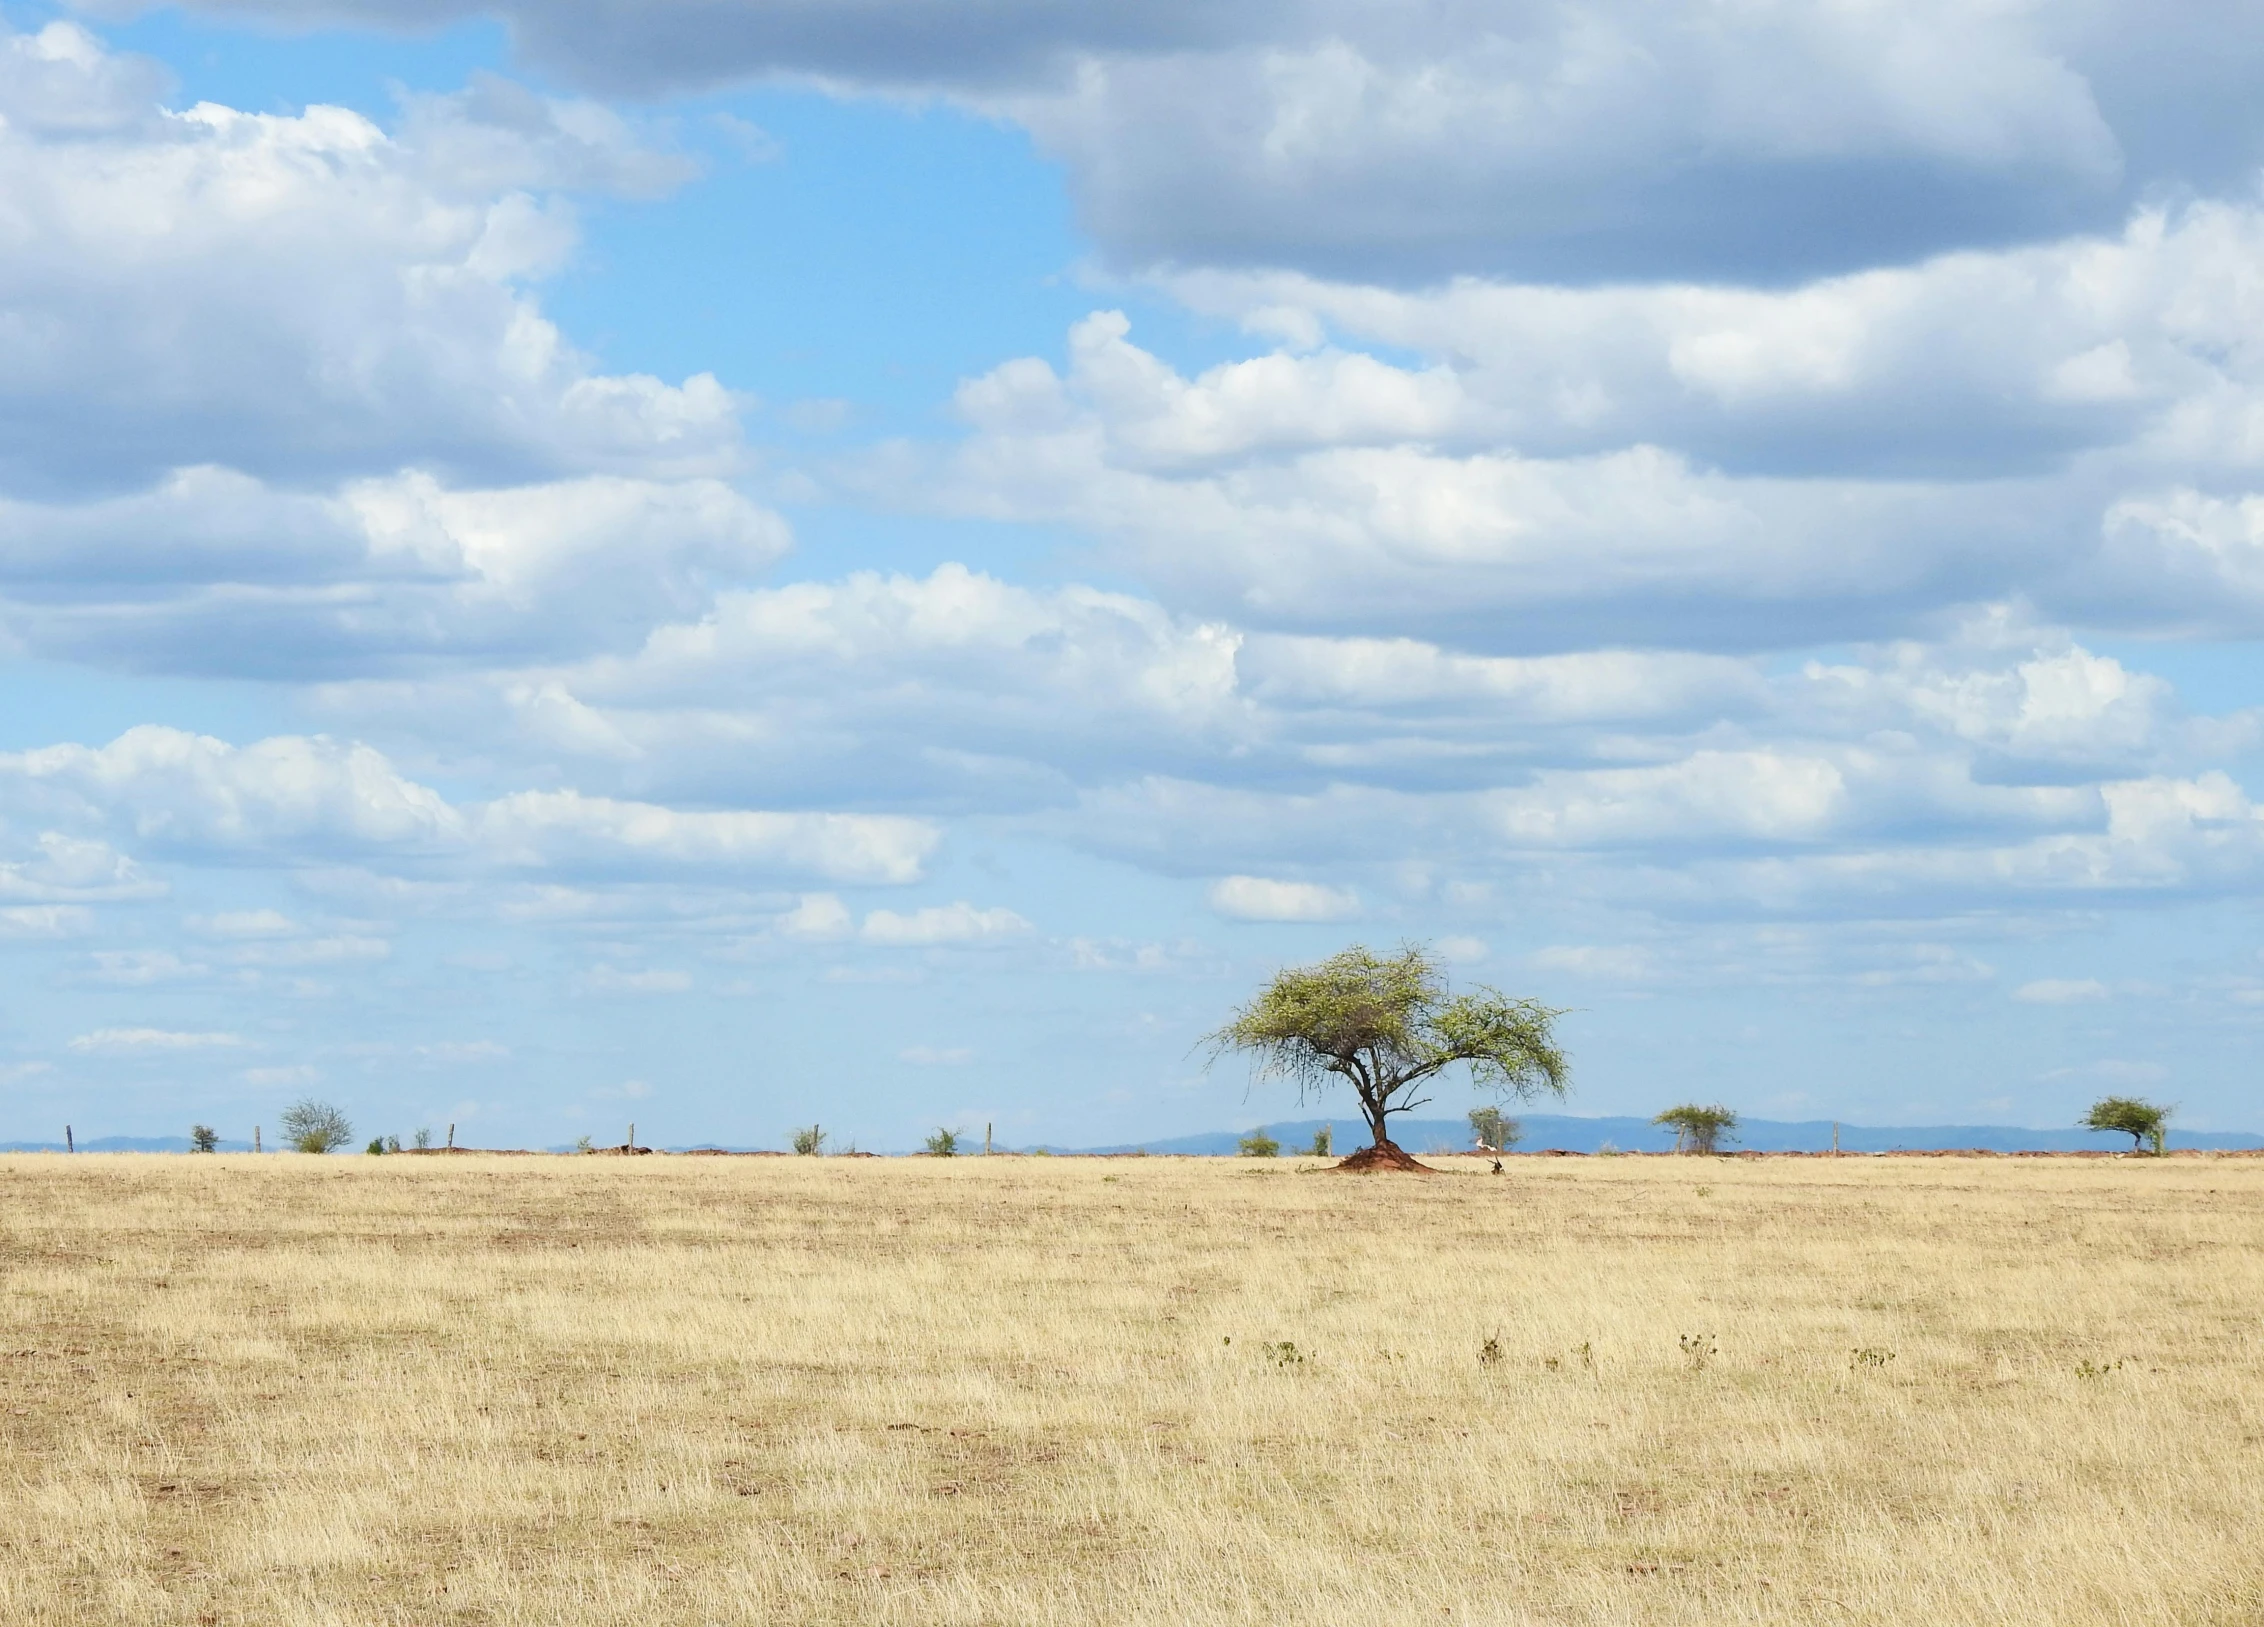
(959, 922)
(1604, 140)
(1256, 898)
(136, 1041)
(307, 798)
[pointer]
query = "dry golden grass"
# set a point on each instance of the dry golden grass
(558, 1392)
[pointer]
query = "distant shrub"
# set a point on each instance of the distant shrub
(809, 1141)
(1257, 1144)
(376, 1147)
(423, 1139)
(584, 1144)
(943, 1144)
(392, 1143)
(1324, 1140)
(312, 1126)
(203, 1138)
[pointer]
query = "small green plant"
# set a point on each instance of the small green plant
(376, 1147)
(1324, 1140)
(312, 1126)
(943, 1144)
(2090, 1369)
(1868, 1356)
(423, 1140)
(203, 1138)
(1283, 1354)
(1257, 1144)
(809, 1141)
(584, 1144)
(1489, 1353)
(1699, 1349)
(1698, 1129)
(2142, 1121)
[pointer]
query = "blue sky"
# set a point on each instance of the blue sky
(729, 566)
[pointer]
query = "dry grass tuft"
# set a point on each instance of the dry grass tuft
(562, 1393)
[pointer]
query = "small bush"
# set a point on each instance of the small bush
(584, 1144)
(203, 1138)
(1257, 1144)
(376, 1147)
(1698, 1349)
(317, 1127)
(943, 1144)
(1283, 1354)
(1489, 1353)
(809, 1141)
(423, 1139)
(1324, 1140)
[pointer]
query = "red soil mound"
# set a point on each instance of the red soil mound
(1381, 1159)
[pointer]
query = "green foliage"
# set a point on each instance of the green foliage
(1324, 1141)
(2142, 1121)
(423, 1140)
(1493, 1130)
(312, 1126)
(1698, 1129)
(809, 1141)
(943, 1144)
(1257, 1144)
(392, 1143)
(1387, 1023)
(584, 1144)
(376, 1147)
(203, 1138)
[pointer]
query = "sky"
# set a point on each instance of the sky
(880, 563)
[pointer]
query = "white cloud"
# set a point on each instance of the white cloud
(261, 923)
(1256, 898)
(1611, 963)
(929, 1056)
(959, 922)
(129, 1041)
(312, 796)
(14, 1072)
(45, 921)
(143, 966)
(2061, 991)
(614, 980)
(817, 915)
(293, 1074)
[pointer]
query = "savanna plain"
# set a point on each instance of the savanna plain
(291, 1391)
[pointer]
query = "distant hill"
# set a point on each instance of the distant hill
(1545, 1130)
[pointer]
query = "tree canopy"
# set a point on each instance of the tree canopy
(1697, 1129)
(1385, 1024)
(2140, 1120)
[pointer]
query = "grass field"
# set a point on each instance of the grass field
(289, 1391)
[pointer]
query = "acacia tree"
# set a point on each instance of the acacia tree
(2140, 1120)
(1385, 1024)
(1697, 1129)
